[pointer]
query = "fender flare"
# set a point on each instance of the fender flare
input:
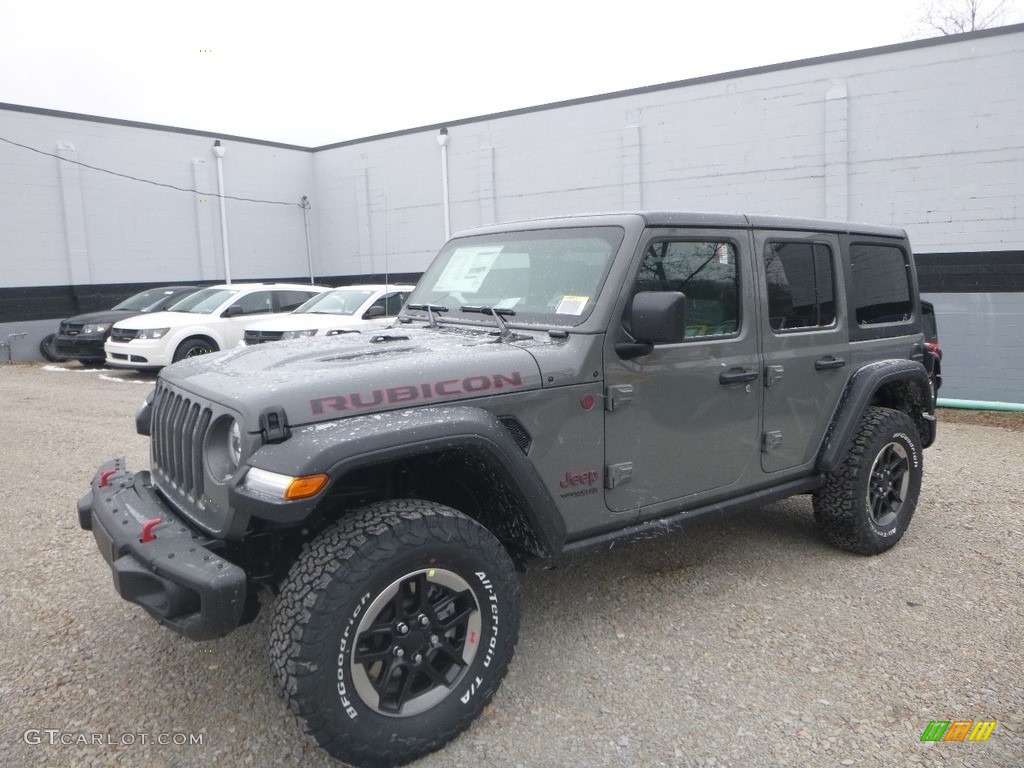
(341, 447)
(860, 393)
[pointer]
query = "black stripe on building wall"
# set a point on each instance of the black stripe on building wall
(983, 272)
(46, 302)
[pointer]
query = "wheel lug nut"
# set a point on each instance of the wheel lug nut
(403, 628)
(417, 658)
(398, 651)
(434, 640)
(424, 620)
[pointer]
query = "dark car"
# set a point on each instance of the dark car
(82, 337)
(933, 360)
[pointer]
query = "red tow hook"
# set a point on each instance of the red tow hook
(105, 477)
(147, 529)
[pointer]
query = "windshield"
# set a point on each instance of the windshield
(548, 277)
(203, 302)
(145, 301)
(344, 301)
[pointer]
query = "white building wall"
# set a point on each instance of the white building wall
(379, 205)
(62, 223)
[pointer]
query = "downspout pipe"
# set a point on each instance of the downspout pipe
(442, 141)
(979, 405)
(218, 150)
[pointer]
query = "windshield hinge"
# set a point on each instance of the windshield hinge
(274, 425)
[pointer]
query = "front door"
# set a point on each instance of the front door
(806, 348)
(683, 421)
(249, 308)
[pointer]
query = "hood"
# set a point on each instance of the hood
(165, 320)
(322, 379)
(106, 316)
(301, 321)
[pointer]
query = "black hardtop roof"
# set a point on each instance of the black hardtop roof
(695, 219)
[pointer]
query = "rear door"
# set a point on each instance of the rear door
(805, 346)
(682, 421)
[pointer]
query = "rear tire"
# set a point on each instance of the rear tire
(393, 630)
(866, 504)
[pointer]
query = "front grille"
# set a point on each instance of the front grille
(178, 431)
(259, 337)
(123, 334)
(70, 329)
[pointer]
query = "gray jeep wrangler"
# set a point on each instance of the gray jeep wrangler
(552, 388)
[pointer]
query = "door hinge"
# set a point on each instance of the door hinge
(772, 374)
(618, 396)
(617, 474)
(770, 441)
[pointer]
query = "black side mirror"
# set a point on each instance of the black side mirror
(658, 317)
(373, 312)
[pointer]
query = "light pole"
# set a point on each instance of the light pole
(305, 221)
(218, 150)
(442, 141)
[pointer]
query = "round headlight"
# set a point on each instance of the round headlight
(235, 443)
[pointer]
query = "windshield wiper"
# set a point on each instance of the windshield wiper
(504, 333)
(430, 309)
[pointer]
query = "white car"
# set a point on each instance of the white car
(350, 309)
(209, 320)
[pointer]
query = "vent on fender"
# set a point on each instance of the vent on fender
(518, 432)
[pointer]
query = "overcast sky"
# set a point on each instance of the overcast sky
(317, 72)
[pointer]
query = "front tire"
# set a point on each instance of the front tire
(393, 630)
(866, 504)
(48, 349)
(194, 348)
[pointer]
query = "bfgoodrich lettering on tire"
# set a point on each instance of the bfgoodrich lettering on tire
(866, 505)
(393, 631)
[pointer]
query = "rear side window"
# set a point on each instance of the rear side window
(881, 284)
(289, 300)
(801, 286)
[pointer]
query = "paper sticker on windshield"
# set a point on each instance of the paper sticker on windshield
(572, 305)
(467, 269)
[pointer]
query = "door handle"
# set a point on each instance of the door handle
(829, 363)
(737, 376)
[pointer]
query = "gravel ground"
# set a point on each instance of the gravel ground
(743, 643)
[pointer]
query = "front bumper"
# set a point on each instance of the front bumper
(175, 576)
(140, 354)
(80, 347)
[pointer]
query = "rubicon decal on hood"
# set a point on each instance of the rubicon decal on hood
(414, 393)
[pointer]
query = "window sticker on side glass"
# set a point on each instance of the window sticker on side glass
(467, 269)
(572, 305)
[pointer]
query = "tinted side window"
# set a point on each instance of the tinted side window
(706, 272)
(881, 284)
(801, 286)
(289, 300)
(393, 303)
(255, 303)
